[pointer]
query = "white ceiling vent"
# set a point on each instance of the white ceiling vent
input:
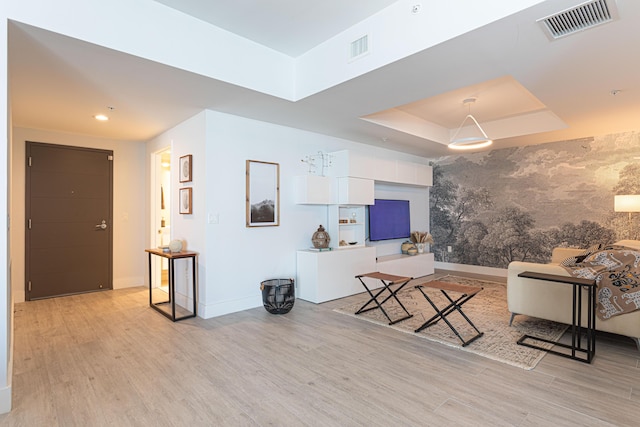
(579, 18)
(359, 48)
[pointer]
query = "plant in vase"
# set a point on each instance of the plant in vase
(420, 239)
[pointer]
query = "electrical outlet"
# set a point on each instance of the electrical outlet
(449, 249)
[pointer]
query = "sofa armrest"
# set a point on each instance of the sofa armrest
(517, 267)
(635, 244)
(560, 254)
(538, 298)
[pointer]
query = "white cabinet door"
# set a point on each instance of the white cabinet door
(425, 175)
(355, 191)
(347, 163)
(325, 276)
(405, 265)
(313, 190)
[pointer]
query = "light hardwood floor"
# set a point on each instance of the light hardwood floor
(108, 359)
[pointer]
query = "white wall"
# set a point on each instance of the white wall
(6, 304)
(128, 204)
(188, 137)
(234, 259)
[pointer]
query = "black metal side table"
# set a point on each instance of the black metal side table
(589, 350)
(172, 257)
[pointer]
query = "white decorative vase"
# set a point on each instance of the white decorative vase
(175, 246)
(420, 247)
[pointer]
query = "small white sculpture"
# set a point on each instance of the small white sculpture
(175, 246)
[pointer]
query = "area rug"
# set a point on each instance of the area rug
(487, 310)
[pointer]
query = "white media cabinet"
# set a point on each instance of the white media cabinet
(407, 265)
(348, 188)
(325, 276)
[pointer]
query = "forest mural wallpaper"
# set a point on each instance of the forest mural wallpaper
(517, 204)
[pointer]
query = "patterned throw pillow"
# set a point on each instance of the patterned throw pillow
(593, 248)
(573, 261)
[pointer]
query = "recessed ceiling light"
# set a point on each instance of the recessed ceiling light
(101, 117)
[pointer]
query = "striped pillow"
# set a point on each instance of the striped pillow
(573, 261)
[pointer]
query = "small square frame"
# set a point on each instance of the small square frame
(185, 168)
(186, 200)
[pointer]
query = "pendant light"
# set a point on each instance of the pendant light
(481, 140)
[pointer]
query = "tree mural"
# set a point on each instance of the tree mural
(581, 235)
(507, 238)
(490, 209)
(442, 197)
(627, 224)
(629, 180)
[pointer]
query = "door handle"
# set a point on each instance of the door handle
(102, 226)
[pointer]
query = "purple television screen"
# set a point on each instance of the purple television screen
(389, 219)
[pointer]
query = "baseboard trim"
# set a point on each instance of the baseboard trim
(18, 295)
(5, 400)
(220, 308)
(128, 282)
(477, 269)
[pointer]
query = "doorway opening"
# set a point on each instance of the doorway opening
(161, 213)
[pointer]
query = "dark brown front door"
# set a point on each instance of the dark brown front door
(69, 217)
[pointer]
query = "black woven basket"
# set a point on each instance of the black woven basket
(278, 295)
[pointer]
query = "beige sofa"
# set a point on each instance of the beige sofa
(552, 301)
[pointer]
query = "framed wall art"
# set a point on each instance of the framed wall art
(263, 194)
(185, 200)
(185, 168)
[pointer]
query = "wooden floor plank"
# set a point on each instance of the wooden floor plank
(107, 358)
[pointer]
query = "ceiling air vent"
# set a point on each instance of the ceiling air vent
(359, 48)
(579, 18)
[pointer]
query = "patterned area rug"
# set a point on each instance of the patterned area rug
(487, 310)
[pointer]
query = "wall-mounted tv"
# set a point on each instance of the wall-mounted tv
(389, 219)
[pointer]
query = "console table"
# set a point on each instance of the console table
(576, 326)
(172, 257)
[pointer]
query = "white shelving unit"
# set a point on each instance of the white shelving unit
(346, 191)
(347, 224)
